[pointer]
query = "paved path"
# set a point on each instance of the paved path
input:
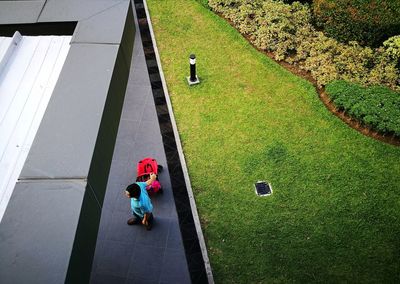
(130, 254)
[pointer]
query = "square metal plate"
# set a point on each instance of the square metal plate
(263, 188)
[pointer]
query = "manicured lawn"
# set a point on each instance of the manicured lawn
(334, 215)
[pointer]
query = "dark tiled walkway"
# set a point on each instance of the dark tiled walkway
(130, 254)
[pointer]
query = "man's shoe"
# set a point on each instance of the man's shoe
(133, 221)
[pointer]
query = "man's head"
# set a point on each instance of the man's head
(133, 191)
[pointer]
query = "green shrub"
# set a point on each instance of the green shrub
(301, 1)
(286, 30)
(386, 70)
(226, 7)
(376, 106)
(278, 26)
(392, 46)
(246, 16)
(321, 59)
(369, 22)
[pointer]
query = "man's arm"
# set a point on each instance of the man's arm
(153, 177)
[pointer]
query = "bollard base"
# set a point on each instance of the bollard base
(193, 82)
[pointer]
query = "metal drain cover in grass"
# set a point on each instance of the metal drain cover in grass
(263, 188)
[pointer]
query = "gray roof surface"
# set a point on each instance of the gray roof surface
(73, 115)
(50, 225)
(35, 242)
(130, 254)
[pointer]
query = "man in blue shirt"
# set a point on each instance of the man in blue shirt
(140, 203)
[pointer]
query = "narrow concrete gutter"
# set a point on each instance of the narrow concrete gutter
(181, 155)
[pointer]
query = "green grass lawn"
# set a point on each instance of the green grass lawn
(334, 215)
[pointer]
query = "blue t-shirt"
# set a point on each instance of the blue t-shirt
(143, 205)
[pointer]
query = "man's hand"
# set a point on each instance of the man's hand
(153, 177)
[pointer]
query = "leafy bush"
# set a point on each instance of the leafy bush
(369, 22)
(286, 30)
(277, 30)
(377, 107)
(301, 1)
(226, 7)
(392, 48)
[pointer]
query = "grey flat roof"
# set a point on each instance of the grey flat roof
(37, 232)
(130, 254)
(63, 182)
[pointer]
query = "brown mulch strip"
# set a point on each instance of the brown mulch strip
(391, 139)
